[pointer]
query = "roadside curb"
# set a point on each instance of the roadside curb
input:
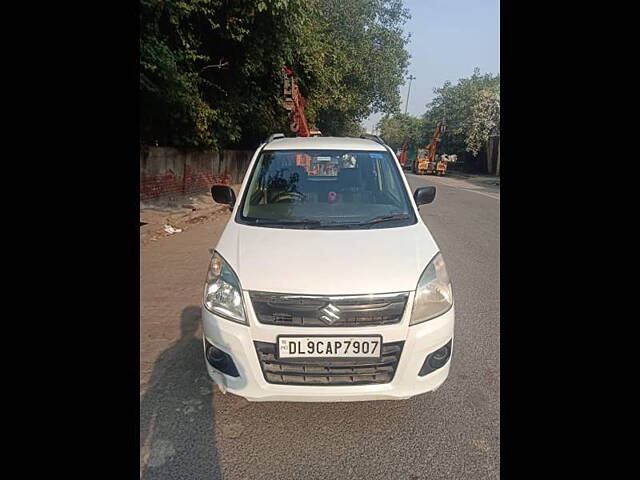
(480, 178)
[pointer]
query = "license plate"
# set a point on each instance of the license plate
(330, 347)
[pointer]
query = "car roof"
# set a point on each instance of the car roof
(324, 143)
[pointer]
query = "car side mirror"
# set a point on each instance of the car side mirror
(424, 195)
(224, 194)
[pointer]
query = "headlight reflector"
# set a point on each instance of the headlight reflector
(222, 291)
(433, 293)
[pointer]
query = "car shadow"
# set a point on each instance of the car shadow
(177, 421)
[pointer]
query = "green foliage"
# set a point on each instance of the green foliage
(485, 116)
(211, 70)
(364, 64)
(471, 108)
(394, 129)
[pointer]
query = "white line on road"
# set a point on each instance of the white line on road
(496, 197)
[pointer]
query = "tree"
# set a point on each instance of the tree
(211, 70)
(395, 129)
(471, 108)
(365, 62)
(485, 116)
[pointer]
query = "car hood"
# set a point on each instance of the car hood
(327, 262)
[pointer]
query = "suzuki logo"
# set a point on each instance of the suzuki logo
(330, 314)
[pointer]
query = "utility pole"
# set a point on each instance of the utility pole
(411, 77)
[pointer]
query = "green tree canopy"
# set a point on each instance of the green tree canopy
(211, 70)
(485, 117)
(395, 128)
(471, 108)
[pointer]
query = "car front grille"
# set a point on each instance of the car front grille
(328, 311)
(336, 371)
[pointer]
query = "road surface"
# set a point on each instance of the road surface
(189, 430)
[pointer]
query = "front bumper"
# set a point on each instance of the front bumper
(238, 341)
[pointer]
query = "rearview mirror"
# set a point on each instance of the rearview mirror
(223, 194)
(424, 195)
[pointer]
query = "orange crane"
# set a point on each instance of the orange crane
(402, 155)
(294, 102)
(426, 158)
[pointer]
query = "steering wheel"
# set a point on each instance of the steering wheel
(284, 196)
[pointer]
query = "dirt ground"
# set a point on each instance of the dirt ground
(172, 271)
(180, 213)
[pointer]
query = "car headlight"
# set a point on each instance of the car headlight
(433, 293)
(222, 292)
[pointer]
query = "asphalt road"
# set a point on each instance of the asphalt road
(189, 430)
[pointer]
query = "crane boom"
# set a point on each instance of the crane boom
(294, 102)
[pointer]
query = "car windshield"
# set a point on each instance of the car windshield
(326, 189)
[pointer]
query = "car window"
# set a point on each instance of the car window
(326, 189)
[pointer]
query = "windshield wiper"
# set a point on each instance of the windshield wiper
(385, 218)
(305, 222)
(373, 221)
(317, 223)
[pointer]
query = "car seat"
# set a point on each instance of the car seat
(349, 184)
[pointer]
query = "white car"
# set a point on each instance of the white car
(326, 285)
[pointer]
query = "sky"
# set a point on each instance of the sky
(448, 39)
